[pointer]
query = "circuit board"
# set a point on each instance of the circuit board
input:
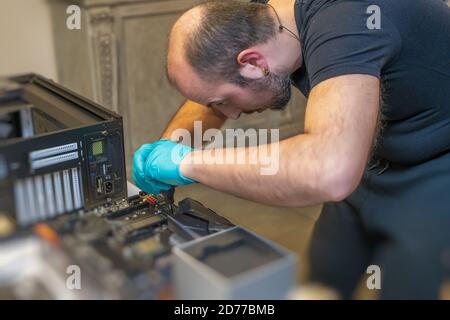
(122, 249)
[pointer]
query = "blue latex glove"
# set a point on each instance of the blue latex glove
(156, 166)
(138, 176)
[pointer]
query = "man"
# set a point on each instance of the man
(376, 147)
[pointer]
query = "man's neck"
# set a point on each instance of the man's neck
(286, 13)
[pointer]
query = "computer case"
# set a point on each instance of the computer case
(59, 152)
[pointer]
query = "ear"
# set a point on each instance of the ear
(252, 64)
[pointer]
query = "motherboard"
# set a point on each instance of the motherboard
(120, 250)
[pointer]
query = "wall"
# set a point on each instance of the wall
(26, 38)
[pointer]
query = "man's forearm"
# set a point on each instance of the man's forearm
(190, 112)
(304, 177)
(326, 163)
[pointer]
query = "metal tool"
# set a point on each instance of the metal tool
(169, 196)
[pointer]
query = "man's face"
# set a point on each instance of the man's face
(251, 95)
(277, 85)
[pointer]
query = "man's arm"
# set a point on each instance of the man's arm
(325, 163)
(190, 112)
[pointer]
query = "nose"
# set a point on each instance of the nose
(231, 112)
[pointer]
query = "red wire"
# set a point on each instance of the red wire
(150, 199)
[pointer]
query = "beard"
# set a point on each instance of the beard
(278, 85)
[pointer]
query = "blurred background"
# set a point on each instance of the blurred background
(27, 38)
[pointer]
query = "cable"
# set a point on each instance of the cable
(281, 27)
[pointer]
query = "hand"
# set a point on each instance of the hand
(145, 183)
(156, 166)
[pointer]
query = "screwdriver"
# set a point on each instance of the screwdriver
(169, 197)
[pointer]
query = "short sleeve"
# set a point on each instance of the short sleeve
(338, 40)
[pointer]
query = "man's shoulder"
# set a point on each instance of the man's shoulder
(339, 38)
(394, 9)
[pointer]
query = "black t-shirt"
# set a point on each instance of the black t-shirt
(409, 53)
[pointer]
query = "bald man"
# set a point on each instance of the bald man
(376, 144)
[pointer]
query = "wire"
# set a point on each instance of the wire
(281, 27)
(150, 199)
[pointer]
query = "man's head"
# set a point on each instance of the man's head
(224, 54)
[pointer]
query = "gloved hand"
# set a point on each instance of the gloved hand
(145, 183)
(156, 166)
